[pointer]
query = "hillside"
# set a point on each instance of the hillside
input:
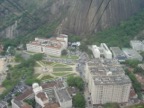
(32, 18)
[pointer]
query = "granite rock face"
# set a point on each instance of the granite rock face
(20, 17)
(93, 15)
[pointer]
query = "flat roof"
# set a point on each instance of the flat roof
(63, 95)
(102, 67)
(136, 42)
(111, 80)
(131, 53)
(50, 43)
(117, 51)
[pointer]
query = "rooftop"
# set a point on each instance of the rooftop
(42, 96)
(111, 80)
(103, 67)
(131, 53)
(63, 95)
(52, 105)
(3, 103)
(22, 104)
(117, 52)
(52, 43)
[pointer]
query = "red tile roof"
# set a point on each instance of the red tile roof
(42, 96)
(52, 105)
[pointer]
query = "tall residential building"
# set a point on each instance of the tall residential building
(51, 46)
(107, 81)
(96, 51)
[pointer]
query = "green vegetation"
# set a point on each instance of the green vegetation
(132, 63)
(111, 105)
(135, 83)
(24, 69)
(60, 73)
(115, 36)
(79, 101)
(47, 77)
(136, 106)
(60, 65)
(62, 69)
(64, 52)
(18, 58)
(121, 35)
(76, 82)
(31, 102)
(139, 70)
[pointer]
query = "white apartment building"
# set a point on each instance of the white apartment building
(52, 46)
(107, 53)
(107, 81)
(103, 50)
(95, 51)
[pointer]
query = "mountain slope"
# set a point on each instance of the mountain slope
(26, 17)
(93, 15)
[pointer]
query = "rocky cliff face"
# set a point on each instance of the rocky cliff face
(76, 16)
(93, 15)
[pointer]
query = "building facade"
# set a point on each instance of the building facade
(52, 46)
(107, 81)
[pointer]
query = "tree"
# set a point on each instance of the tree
(37, 57)
(132, 63)
(83, 47)
(31, 102)
(76, 82)
(79, 101)
(64, 52)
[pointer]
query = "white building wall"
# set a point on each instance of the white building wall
(95, 51)
(34, 48)
(52, 51)
(106, 51)
(102, 94)
(13, 104)
(66, 104)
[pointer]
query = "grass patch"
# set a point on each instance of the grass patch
(66, 57)
(136, 106)
(46, 77)
(62, 69)
(37, 65)
(60, 65)
(47, 63)
(60, 74)
(70, 57)
(36, 75)
(73, 74)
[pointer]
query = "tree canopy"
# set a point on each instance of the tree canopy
(76, 82)
(79, 101)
